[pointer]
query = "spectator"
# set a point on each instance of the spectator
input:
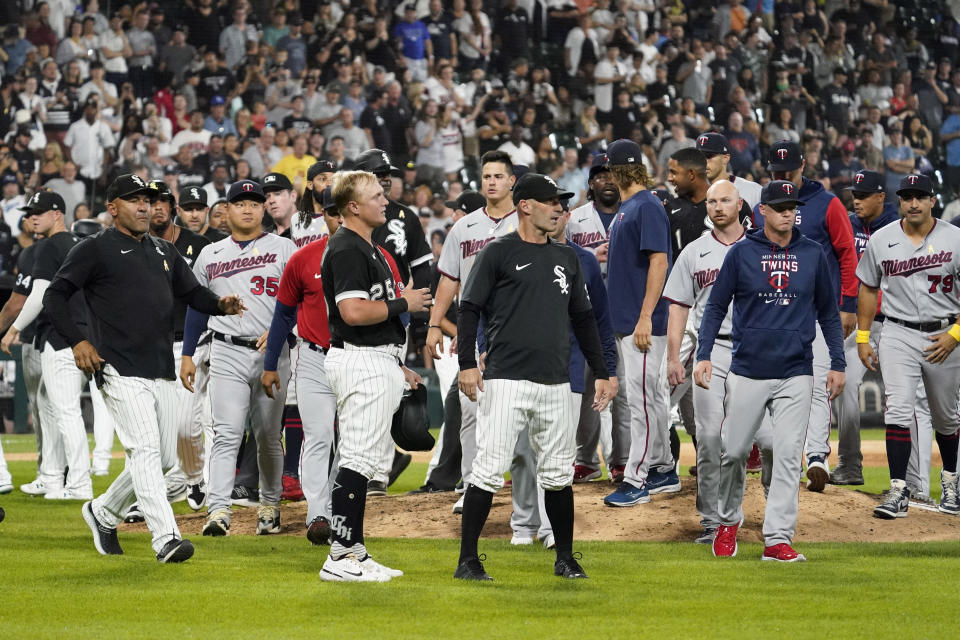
(144, 52)
(744, 153)
(277, 28)
(950, 137)
(188, 171)
(451, 135)
(196, 137)
(837, 102)
(513, 26)
(842, 168)
(781, 128)
(336, 154)
(677, 140)
(12, 201)
(354, 139)
(115, 50)
(177, 56)
(582, 45)
(430, 168)
(296, 164)
(519, 151)
(373, 124)
(203, 26)
(881, 58)
(216, 189)
(590, 134)
(89, 142)
(216, 154)
(355, 99)
(610, 72)
(413, 43)
(898, 158)
(573, 178)
(474, 36)
(218, 122)
(442, 35)
(66, 184)
(398, 114)
(14, 48)
(696, 76)
(295, 46)
(74, 47)
(328, 111)
(233, 40)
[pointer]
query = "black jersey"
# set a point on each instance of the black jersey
(214, 235)
(527, 292)
(50, 254)
(354, 268)
(402, 235)
(689, 221)
(24, 285)
(189, 245)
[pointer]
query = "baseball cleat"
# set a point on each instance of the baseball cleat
(818, 474)
(242, 496)
(706, 536)
(472, 569)
(134, 515)
(949, 500)
(218, 523)
(427, 488)
(781, 553)
(725, 541)
(197, 496)
(292, 490)
(268, 520)
(373, 565)
(69, 494)
(846, 476)
(659, 482)
(176, 550)
(754, 463)
(548, 541)
(35, 488)
(458, 508)
(569, 567)
(627, 495)
(896, 503)
(318, 532)
(104, 537)
(6, 487)
(583, 473)
(400, 463)
(375, 488)
(461, 487)
(521, 540)
(349, 569)
(616, 473)
(100, 471)
(177, 493)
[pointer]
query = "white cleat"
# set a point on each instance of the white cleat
(458, 508)
(349, 569)
(370, 563)
(69, 494)
(36, 488)
(519, 540)
(548, 541)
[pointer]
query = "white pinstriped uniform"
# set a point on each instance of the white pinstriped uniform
(33, 379)
(253, 271)
(64, 383)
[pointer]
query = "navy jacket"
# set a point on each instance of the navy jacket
(597, 291)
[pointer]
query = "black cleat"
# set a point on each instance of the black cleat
(134, 515)
(569, 567)
(376, 488)
(472, 569)
(400, 462)
(176, 550)
(428, 488)
(104, 538)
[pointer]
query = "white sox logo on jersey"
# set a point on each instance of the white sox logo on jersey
(339, 525)
(561, 280)
(397, 236)
(238, 265)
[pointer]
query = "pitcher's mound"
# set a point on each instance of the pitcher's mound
(836, 515)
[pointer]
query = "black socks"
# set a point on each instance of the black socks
(476, 508)
(292, 440)
(948, 450)
(559, 507)
(898, 451)
(349, 500)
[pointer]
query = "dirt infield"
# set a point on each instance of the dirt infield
(837, 515)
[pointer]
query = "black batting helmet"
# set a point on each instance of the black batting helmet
(410, 429)
(376, 161)
(87, 227)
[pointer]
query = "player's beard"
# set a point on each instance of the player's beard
(158, 229)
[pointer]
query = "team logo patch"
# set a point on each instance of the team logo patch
(913, 179)
(782, 154)
(779, 280)
(788, 189)
(385, 157)
(138, 180)
(702, 140)
(195, 193)
(247, 186)
(270, 179)
(858, 178)
(561, 279)
(551, 181)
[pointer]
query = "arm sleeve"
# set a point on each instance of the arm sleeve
(717, 305)
(32, 306)
(829, 316)
(585, 330)
(56, 300)
(284, 318)
(841, 237)
(467, 322)
(194, 325)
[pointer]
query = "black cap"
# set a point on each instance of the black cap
(321, 166)
(713, 142)
(785, 155)
(326, 199)
(622, 152)
(520, 170)
(375, 161)
(867, 181)
(916, 182)
(840, 71)
(779, 191)
(128, 184)
(163, 191)
(245, 190)
(536, 186)
(468, 201)
(598, 164)
(84, 228)
(192, 195)
(43, 201)
(275, 182)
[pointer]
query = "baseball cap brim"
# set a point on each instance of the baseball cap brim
(150, 191)
(926, 192)
(783, 166)
(784, 200)
(248, 195)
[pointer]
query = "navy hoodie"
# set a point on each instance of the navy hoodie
(778, 294)
(863, 230)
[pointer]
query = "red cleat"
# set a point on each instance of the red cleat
(291, 489)
(782, 553)
(616, 473)
(725, 541)
(583, 473)
(754, 464)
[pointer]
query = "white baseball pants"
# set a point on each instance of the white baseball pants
(64, 383)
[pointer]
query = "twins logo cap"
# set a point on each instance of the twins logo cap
(916, 182)
(785, 155)
(536, 186)
(246, 190)
(43, 201)
(275, 182)
(780, 191)
(468, 201)
(193, 195)
(129, 184)
(713, 142)
(598, 164)
(622, 152)
(321, 166)
(867, 181)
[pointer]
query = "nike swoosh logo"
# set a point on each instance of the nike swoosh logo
(582, 220)
(675, 210)
(125, 252)
(769, 301)
(317, 276)
(892, 244)
(705, 253)
(217, 251)
(519, 268)
(472, 224)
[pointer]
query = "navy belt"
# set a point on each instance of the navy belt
(249, 343)
(315, 347)
(926, 327)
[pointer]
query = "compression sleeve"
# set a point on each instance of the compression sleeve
(194, 325)
(467, 323)
(284, 319)
(32, 306)
(585, 329)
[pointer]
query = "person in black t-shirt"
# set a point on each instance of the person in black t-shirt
(519, 281)
(687, 172)
(129, 281)
(363, 365)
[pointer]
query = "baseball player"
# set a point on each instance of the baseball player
(250, 261)
(363, 365)
(129, 280)
(186, 479)
(824, 219)
(637, 265)
(192, 211)
(63, 382)
(521, 280)
(916, 266)
(872, 211)
(779, 283)
(716, 149)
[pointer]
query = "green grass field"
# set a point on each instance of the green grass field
(56, 586)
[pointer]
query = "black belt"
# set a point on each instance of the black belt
(178, 336)
(315, 347)
(926, 327)
(249, 343)
(723, 336)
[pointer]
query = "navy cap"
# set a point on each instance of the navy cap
(9, 178)
(217, 100)
(246, 190)
(320, 166)
(468, 201)
(598, 164)
(916, 182)
(536, 186)
(193, 195)
(275, 182)
(622, 152)
(785, 155)
(780, 191)
(867, 181)
(326, 200)
(128, 184)
(43, 201)
(520, 170)
(713, 142)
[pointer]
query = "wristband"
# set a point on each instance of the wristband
(954, 332)
(396, 307)
(434, 326)
(863, 337)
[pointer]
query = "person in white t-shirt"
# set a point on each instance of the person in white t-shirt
(608, 73)
(518, 150)
(89, 142)
(12, 201)
(115, 49)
